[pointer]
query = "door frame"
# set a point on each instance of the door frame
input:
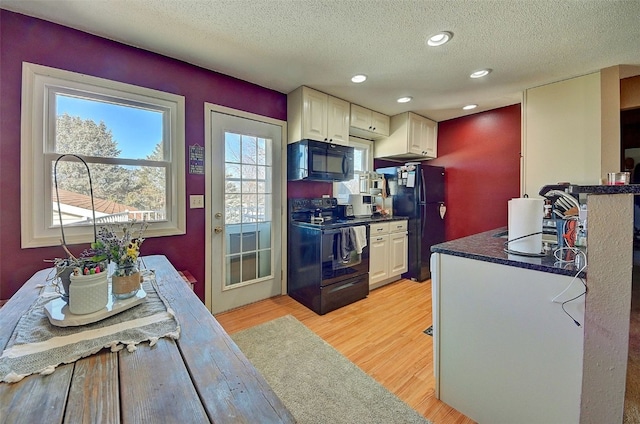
(210, 108)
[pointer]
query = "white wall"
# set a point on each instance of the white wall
(562, 134)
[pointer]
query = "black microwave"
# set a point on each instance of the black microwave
(318, 161)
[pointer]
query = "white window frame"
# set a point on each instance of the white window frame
(39, 83)
(367, 147)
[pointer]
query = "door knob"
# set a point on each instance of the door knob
(217, 230)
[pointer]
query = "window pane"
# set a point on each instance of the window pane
(263, 155)
(249, 207)
(264, 207)
(232, 208)
(233, 239)
(233, 270)
(232, 170)
(97, 128)
(232, 186)
(264, 263)
(120, 193)
(249, 150)
(249, 172)
(232, 147)
(249, 265)
(358, 162)
(249, 186)
(249, 237)
(264, 235)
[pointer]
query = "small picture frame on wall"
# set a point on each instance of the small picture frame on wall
(196, 159)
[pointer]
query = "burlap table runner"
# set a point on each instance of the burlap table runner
(37, 346)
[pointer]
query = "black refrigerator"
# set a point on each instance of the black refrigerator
(417, 192)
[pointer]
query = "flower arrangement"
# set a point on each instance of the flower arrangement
(120, 245)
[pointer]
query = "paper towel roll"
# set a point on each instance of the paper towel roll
(525, 217)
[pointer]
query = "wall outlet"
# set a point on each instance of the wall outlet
(196, 201)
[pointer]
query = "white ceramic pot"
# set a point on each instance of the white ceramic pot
(88, 293)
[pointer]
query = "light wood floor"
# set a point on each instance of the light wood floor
(382, 334)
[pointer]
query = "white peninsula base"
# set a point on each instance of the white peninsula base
(504, 352)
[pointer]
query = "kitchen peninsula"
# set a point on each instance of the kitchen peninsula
(504, 348)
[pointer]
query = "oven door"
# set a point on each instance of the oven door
(335, 266)
(330, 162)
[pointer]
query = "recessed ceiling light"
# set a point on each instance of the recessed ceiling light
(439, 38)
(480, 73)
(469, 107)
(359, 78)
(406, 99)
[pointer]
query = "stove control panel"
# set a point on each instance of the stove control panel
(300, 205)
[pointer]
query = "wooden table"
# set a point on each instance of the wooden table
(201, 377)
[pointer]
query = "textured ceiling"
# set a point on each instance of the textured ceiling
(282, 44)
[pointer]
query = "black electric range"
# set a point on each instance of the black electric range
(320, 275)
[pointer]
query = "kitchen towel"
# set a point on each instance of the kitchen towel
(345, 244)
(359, 237)
(525, 225)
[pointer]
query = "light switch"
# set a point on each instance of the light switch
(196, 201)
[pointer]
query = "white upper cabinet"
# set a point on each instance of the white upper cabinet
(314, 115)
(368, 123)
(412, 137)
(422, 136)
(317, 116)
(337, 120)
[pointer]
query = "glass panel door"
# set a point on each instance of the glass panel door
(245, 238)
(248, 204)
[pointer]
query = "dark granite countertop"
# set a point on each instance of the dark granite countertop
(489, 247)
(597, 189)
(347, 222)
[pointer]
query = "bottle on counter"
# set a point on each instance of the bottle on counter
(581, 237)
(547, 209)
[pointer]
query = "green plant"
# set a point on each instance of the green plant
(119, 243)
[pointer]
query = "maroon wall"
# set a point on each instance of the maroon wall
(308, 189)
(481, 156)
(32, 40)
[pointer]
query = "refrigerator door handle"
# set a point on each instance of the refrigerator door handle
(422, 194)
(423, 218)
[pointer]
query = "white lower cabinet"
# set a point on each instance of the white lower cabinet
(387, 252)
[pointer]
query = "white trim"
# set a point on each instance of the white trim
(208, 109)
(35, 173)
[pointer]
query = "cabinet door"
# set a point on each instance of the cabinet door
(415, 143)
(360, 117)
(431, 138)
(314, 115)
(380, 123)
(337, 121)
(398, 249)
(378, 258)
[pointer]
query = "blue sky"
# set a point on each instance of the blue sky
(137, 131)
